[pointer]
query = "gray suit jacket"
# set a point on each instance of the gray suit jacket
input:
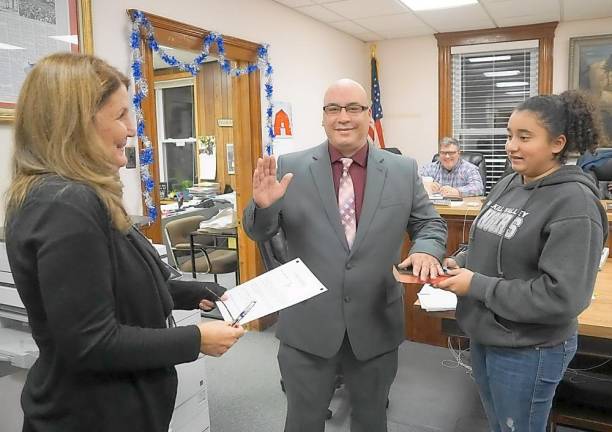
(363, 298)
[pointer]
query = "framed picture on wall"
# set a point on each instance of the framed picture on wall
(229, 151)
(590, 69)
(37, 28)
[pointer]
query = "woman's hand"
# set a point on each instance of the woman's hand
(216, 337)
(459, 282)
(208, 305)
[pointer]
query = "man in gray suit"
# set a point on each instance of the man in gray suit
(344, 207)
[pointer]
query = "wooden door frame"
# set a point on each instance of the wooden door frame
(247, 125)
(544, 33)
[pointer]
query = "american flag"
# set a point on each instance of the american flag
(376, 132)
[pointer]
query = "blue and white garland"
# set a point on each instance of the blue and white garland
(140, 22)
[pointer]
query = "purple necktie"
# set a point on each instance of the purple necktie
(346, 202)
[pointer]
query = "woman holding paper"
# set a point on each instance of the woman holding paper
(98, 297)
(531, 263)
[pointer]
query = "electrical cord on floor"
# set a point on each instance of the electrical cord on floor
(577, 375)
(592, 367)
(457, 360)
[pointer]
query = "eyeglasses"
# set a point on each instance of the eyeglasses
(220, 301)
(448, 153)
(353, 108)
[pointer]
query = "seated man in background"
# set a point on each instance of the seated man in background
(453, 176)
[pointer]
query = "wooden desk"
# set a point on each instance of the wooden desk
(595, 321)
(460, 218)
(422, 327)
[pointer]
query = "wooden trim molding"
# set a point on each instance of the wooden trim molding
(544, 33)
(247, 129)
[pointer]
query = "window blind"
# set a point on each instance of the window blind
(486, 87)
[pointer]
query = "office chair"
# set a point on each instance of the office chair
(207, 258)
(394, 150)
(598, 166)
(475, 158)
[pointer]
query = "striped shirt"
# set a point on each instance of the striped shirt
(464, 177)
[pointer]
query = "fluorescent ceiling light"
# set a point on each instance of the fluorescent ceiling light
(9, 47)
(511, 84)
(489, 59)
(72, 39)
(516, 93)
(502, 73)
(421, 5)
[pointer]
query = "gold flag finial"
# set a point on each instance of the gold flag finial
(373, 50)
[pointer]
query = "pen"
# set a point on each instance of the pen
(244, 312)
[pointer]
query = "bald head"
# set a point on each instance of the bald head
(347, 85)
(346, 130)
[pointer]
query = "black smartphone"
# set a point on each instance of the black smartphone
(403, 270)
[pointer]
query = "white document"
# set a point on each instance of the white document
(277, 289)
(435, 300)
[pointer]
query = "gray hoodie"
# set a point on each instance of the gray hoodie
(534, 250)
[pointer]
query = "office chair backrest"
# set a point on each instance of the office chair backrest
(274, 252)
(475, 158)
(178, 230)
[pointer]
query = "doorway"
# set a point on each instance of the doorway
(226, 108)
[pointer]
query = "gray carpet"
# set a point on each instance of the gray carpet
(245, 395)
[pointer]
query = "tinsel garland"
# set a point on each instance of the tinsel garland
(141, 27)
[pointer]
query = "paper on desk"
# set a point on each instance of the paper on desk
(277, 289)
(435, 300)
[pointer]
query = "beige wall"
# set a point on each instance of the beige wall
(564, 32)
(306, 55)
(408, 74)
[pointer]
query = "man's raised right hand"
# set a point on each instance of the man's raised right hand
(266, 188)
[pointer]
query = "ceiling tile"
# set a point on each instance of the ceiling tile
(369, 37)
(507, 13)
(589, 9)
(295, 3)
(401, 24)
(353, 9)
(404, 33)
(456, 19)
(320, 13)
(349, 27)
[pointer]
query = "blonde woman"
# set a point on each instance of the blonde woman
(97, 296)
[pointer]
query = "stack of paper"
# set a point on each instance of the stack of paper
(435, 300)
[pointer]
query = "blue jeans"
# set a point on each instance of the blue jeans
(517, 385)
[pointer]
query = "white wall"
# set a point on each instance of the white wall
(408, 72)
(408, 75)
(306, 55)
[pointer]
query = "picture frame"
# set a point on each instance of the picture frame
(590, 69)
(52, 26)
(229, 152)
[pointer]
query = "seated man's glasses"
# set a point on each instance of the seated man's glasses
(448, 153)
(335, 109)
